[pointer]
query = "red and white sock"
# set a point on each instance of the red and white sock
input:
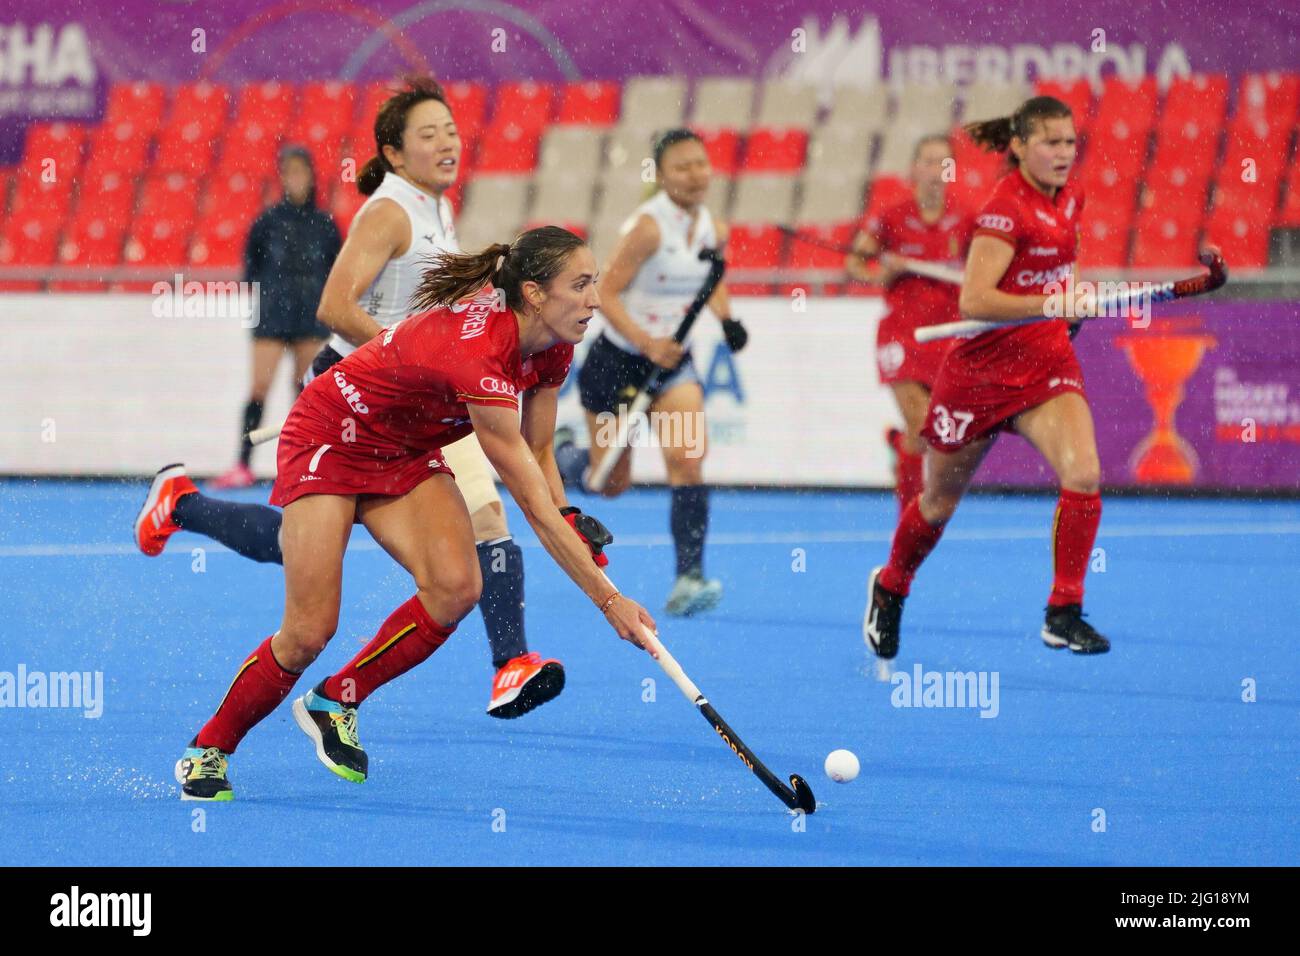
(407, 638)
(914, 539)
(1074, 529)
(258, 688)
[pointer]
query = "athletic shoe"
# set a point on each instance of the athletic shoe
(154, 524)
(1065, 627)
(525, 683)
(693, 593)
(882, 620)
(201, 772)
(238, 476)
(333, 728)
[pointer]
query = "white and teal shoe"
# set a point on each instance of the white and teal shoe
(693, 593)
(332, 727)
(201, 772)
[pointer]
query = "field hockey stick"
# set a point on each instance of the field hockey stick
(930, 270)
(797, 796)
(1111, 305)
(260, 436)
(654, 381)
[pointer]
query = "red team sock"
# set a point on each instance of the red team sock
(914, 538)
(1074, 530)
(910, 477)
(256, 690)
(408, 637)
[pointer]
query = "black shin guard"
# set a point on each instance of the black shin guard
(250, 530)
(502, 602)
(252, 419)
(689, 520)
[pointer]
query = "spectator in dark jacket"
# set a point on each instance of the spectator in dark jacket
(289, 253)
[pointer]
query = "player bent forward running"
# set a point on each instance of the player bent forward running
(1024, 378)
(406, 219)
(431, 379)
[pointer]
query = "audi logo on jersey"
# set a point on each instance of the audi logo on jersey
(495, 386)
(998, 223)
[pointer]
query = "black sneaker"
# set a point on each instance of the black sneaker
(1065, 627)
(201, 772)
(333, 728)
(880, 624)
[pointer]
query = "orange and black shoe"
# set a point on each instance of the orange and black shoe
(154, 524)
(524, 683)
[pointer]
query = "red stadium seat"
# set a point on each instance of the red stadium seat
(1258, 143)
(325, 104)
(141, 102)
(27, 241)
(184, 146)
(1275, 96)
(1119, 145)
(753, 246)
(35, 198)
(1076, 94)
(977, 171)
(577, 228)
(238, 196)
(219, 241)
(92, 242)
(1241, 236)
(526, 104)
(1201, 97)
(173, 196)
(250, 148)
(1163, 241)
(775, 150)
(723, 147)
(1134, 104)
(1193, 144)
(122, 146)
(204, 103)
(64, 143)
(508, 148)
(469, 107)
(155, 242)
(1105, 236)
(591, 104)
(1105, 186)
(1177, 189)
(886, 191)
(270, 102)
(108, 195)
(344, 207)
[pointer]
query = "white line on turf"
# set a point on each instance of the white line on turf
(1214, 530)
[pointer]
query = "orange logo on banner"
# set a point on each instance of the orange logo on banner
(1164, 359)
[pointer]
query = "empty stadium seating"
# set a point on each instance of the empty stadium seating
(175, 176)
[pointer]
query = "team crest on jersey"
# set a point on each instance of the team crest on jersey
(890, 356)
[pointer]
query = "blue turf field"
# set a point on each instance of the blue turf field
(1197, 596)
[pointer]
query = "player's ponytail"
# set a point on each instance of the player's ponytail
(995, 135)
(538, 255)
(390, 124)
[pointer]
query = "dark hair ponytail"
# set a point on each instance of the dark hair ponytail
(995, 135)
(390, 124)
(538, 255)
